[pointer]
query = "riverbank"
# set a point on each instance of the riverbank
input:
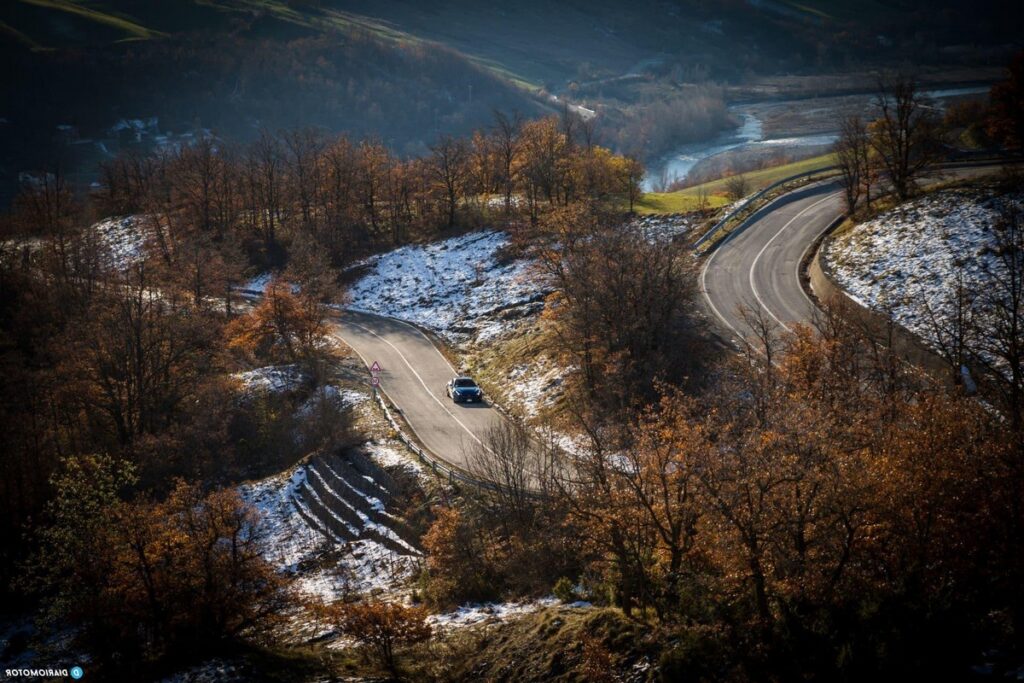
(792, 129)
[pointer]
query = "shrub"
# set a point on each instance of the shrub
(564, 590)
(380, 626)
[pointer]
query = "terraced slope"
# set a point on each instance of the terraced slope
(346, 498)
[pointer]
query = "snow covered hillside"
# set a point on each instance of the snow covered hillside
(272, 378)
(304, 509)
(663, 228)
(123, 240)
(458, 287)
(908, 260)
(120, 241)
(535, 385)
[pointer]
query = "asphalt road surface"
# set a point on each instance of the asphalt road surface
(758, 265)
(413, 375)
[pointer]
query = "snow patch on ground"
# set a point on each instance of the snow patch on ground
(123, 240)
(322, 567)
(663, 228)
(20, 248)
(290, 541)
(455, 287)
(475, 614)
(389, 457)
(272, 379)
(337, 397)
(907, 260)
(212, 671)
(494, 612)
(535, 385)
(571, 444)
(258, 283)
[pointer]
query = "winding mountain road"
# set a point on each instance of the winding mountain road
(413, 375)
(758, 265)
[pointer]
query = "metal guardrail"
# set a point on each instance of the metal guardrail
(955, 159)
(437, 465)
(707, 236)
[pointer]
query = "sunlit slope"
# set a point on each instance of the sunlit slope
(540, 43)
(688, 199)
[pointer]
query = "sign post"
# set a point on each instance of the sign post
(375, 377)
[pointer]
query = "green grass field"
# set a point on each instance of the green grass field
(687, 199)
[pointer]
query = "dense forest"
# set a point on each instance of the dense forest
(129, 360)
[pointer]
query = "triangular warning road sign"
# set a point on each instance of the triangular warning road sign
(375, 368)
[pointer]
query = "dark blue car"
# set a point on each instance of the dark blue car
(464, 390)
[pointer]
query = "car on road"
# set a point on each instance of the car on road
(464, 390)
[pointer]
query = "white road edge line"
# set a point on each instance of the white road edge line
(704, 272)
(753, 266)
(427, 339)
(704, 288)
(803, 257)
(381, 389)
(424, 384)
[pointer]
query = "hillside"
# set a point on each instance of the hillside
(657, 73)
(927, 261)
(88, 80)
(554, 43)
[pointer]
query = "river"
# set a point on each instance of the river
(750, 135)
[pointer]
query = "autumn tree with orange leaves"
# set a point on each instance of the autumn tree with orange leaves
(142, 579)
(280, 327)
(852, 500)
(381, 627)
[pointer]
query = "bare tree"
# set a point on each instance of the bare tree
(1001, 339)
(227, 190)
(853, 158)
(305, 149)
(507, 133)
(737, 187)
(126, 181)
(904, 133)
(265, 180)
(373, 162)
(703, 199)
(194, 169)
(47, 207)
(631, 177)
(449, 167)
(760, 349)
(954, 333)
(507, 458)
